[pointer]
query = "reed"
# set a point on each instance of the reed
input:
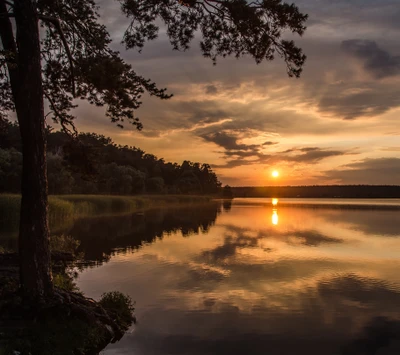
(64, 209)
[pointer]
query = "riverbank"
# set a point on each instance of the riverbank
(66, 208)
(66, 322)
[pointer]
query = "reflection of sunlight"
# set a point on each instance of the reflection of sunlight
(274, 201)
(275, 217)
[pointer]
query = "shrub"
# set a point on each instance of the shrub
(120, 305)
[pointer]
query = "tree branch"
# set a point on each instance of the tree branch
(6, 15)
(52, 104)
(57, 24)
(61, 120)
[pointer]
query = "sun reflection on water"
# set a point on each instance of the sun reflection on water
(275, 218)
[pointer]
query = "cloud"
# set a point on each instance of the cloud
(347, 102)
(241, 152)
(378, 171)
(251, 154)
(376, 61)
(236, 100)
(211, 89)
(227, 141)
(310, 155)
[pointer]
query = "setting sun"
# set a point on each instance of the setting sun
(275, 173)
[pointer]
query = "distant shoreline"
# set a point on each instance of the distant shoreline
(319, 191)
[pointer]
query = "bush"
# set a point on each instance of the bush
(120, 305)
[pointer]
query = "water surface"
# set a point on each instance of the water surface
(252, 277)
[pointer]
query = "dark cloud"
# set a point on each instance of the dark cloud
(376, 61)
(379, 171)
(269, 143)
(227, 141)
(239, 151)
(352, 103)
(311, 155)
(307, 155)
(211, 89)
(344, 14)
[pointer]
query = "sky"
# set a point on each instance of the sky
(337, 124)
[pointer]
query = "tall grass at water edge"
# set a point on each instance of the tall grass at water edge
(66, 208)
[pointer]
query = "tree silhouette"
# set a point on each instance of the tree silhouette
(70, 58)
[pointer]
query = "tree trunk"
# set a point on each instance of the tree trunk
(34, 249)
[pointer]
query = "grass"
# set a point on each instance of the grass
(64, 209)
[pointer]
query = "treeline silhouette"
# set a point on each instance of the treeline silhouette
(327, 191)
(94, 164)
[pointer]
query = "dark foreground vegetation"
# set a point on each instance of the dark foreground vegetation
(94, 164)
(67, 323)
(332, 191)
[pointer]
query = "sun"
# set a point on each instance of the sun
(275, 173)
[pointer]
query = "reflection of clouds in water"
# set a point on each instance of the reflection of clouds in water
(249, 287)
(306, 237)
(327, 322)
(371, 222)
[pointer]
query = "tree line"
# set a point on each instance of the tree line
(321, 191)
(94, 164)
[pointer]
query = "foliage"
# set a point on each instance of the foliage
(228, 27)
(77, 61)
(227, 192)
(9, 207)
(94, 164)
(64, 243)
(65, 281)
(321, 191)
(10, 169)
(120, 305)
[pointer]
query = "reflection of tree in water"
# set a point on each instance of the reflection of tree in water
(99, 237)
(227, 204)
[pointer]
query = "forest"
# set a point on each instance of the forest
(321, 191)
(93, 164)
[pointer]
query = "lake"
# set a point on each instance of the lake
(256, 276)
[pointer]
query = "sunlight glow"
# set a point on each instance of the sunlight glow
(274, 201)
(275, 173)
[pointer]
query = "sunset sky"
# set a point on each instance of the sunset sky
(339, 123)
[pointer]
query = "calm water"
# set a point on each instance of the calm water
(297, 277)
